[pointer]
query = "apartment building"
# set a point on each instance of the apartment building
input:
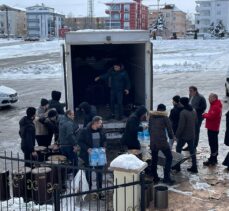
(43, 21)
(127, 14)
(211, 11)
(12, 21)
(174, 20)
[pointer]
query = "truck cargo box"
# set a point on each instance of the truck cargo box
(90, 53)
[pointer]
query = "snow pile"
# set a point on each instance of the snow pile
(18, 204)
(4, 41)
(30, 49)
(36, 71)
(127, 161)
(197, 184)
(190, 55)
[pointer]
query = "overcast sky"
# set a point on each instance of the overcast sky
(79, 7)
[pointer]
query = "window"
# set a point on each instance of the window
(126, 16)
(218, 5)
(115, 16)
(126, 7)
(115, 7)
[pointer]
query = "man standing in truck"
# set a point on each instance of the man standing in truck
(119, 82)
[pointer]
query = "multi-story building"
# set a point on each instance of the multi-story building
(174, 20)
(211, 11)
(76, 23)
(12, 21)
(43, 22)
(127, 14)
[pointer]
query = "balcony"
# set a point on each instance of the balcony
(37, 28)
(33, 20)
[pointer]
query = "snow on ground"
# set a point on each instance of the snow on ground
(35, 71)
(190, 55)
(169, 56)
(3, 41)
(30, 49)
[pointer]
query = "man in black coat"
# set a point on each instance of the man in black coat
(175, 113)
(119, 82)
(89, 112)
(130, 136)
(198, 102)
(186, 132)
(92, 137)
(27, 134)
(54, 102)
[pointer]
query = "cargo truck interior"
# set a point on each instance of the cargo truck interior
(90, 61)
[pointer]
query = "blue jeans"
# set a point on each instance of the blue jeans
(169, 158)
(71, 156)
(117, 99)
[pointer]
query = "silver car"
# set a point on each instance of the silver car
(8, 96)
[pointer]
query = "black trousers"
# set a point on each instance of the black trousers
(213, 143)
(28, 156)
(99, 176)
(169, 158)
(44, 140)
(197, 134)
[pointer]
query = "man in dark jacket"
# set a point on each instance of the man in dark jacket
(175, 113)
(198, 102)
(213, 119)
(89, 112)
(159, 124)
(130, 136)
(186, 132)
(51, 123)
(54, 102)
(92, 137)
(68, 133)
(119, 83)
(27, 134)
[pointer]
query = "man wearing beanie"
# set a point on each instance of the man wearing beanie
(130, 136)
(186, 132)
(51, 124)
(41, 130)
(175, 113)
(68, 136)
(54, 102)
(27, 134)
(159, 123)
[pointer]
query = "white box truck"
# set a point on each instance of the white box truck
(90, 53)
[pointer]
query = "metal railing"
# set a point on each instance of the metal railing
(52, 185)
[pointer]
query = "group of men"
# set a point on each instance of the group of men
(182, 125)
(50, 120)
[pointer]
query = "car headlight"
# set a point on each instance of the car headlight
(3, 95)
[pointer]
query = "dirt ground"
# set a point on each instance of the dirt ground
(208, 190)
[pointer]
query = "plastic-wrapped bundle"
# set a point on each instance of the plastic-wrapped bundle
(98, 157)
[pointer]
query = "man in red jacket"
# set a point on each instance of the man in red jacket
(213, 118)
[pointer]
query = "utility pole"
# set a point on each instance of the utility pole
(90, 12)
(7, 22)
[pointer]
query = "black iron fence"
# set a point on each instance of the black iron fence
(54, 184)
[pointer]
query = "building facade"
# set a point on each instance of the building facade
(43, 22)
(77, 23)
(127, 14)
(173, 18)
(15, 19)
(211, 11)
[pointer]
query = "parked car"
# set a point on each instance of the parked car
(31, 39)
(8, 96)
(227, 85)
